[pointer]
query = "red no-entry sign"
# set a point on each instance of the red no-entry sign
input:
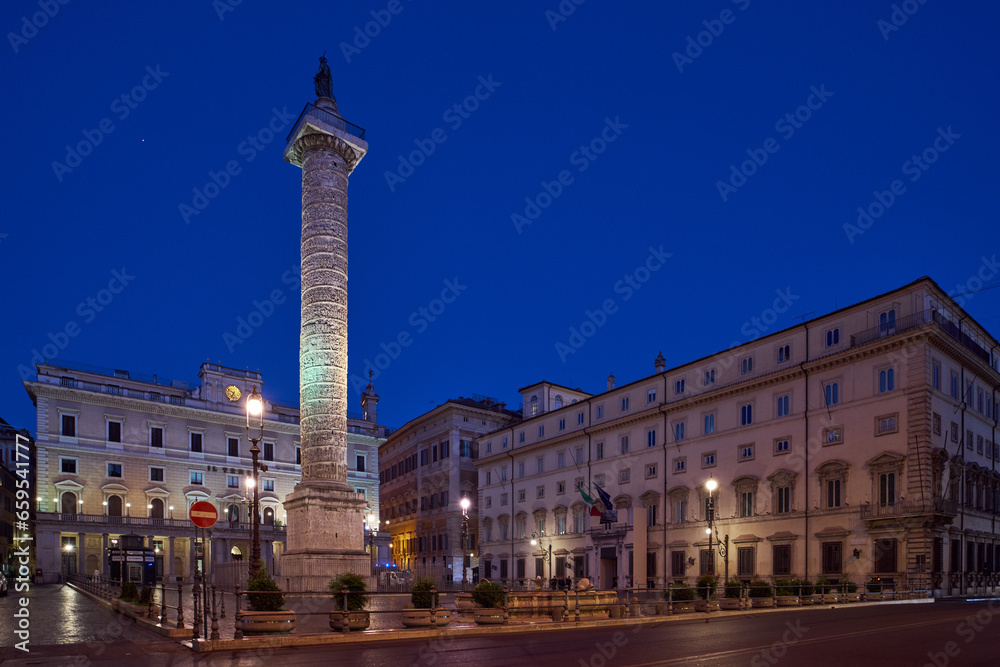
(203, 514)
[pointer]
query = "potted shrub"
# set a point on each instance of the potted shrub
(705, 588)
(424, 607)
(489, 600)
(733, 596)
(128, 600)
(804, 589)
(874, 587)
(786, 593)
(355, 615)
(761, 594)
(682, 598)
(849, 590)
(828, 591)
(820, 588)
(266, 614)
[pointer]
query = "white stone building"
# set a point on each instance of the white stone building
(121, 453)
(861, 443)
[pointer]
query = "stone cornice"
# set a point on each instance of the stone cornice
(323, 141)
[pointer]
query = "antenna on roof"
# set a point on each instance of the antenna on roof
(803, 316)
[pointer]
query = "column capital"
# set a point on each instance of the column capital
(321, 141)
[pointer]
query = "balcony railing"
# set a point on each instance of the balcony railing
(113, 390)
(327, 117)
(916, 320)
(150, 522)
(903, 508)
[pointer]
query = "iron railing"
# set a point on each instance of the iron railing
(909, 508)
(327, 117)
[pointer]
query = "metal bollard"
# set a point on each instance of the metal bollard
(238, 634)
(163, 603)
(196, 592)
(433, 607)
(215, 618)
(506, 608)
(345, 626)
(222, 594)
(577, 615)
(180, 605)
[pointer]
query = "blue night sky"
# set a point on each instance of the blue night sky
(531, 165)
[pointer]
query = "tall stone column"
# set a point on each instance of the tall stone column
(105, 565)
(170, 560)
(325, 515)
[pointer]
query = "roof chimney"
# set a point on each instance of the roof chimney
(611, 381)
(660, 363)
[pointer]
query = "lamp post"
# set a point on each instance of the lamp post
(546, 555)
(255, 418)
(465, 503)
(711, 485)
(371, 540)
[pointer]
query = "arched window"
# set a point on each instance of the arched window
(268, 516)
(68, 503)
(534, 406)
(236, 553)
(233, 513)
(156, 508)
(558, 402)
(115, 505)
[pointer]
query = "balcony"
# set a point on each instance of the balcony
(915, 320)
(609, 529)
(327, 117)
(910, 508)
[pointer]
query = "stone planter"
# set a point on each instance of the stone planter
(786, 601)
(265, 622)
(356, 620)
(421, 618)
(730, 604)
(817, 598)
(761, 603)
(831, 598)
(464, 604)
(489, 616)
(682, 607)
(874, 597)
(805, 600)
(116, 605)
(706, 605)
(132, 610)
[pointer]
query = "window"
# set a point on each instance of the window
(833, 337)
(624, 444)
(954, 432)
(781, 446)
(541, 431)
(232, 447)
(520, 469)
(197, 477)
(68, 426)
(156, 436)
(887, 321)
(425, 457)
(831, 390)
(196, 442)
(503, 474)
(651, 396)
(679, 431)
(954, 385)
(599, 451)
(624, 403)
(833, 435)
(600, 411)
(783, 501)
(680, 464)
(710, 376)
(360, 463)
(560, 488)
(67, 466)
(579, 455)
(298, 455)
(708, 460)
(784, 353)
(233, 481)
(651, 471)
(268, 451)
(679, 387)
(885, 555)
(678, 563)
(746, 414)
(746, 365)
(579, 418)
(745, 561)
(680, 511)
(503, 498)
(114, 431)
(156, 474)
(709, 424)
(114, 470)
(746, 504)
(562, 424)
(833, 557)
(521, 495)
(746, 452)
(887, 489)
(936, 420)
(269, 485)
(651, 438)
(886, 380)
(781, 559)
(936, 375)
(541, 464)
(651, 515)
(706, 562)
(465, 449)
(784, 403)
(832, 493)
(979, 444)
(520, 436)
(534, 406)
(503, 443)
(434, 453)
(623, 476)
(886, 424)
(561, 460)
(558, 401)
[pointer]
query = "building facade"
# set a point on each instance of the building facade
(121, 453)
(17, 462)
(858, 444)
(428, 466)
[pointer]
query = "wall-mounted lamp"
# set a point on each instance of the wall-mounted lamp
(857, 554)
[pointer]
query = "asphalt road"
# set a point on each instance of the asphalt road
(937, 634)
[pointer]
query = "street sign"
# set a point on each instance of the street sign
(203, 514)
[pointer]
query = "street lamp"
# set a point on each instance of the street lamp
(171, 512)
(372, 529)
(711, 485)
(255, 418)
(465, 503)
(128, 509)
(546, 555)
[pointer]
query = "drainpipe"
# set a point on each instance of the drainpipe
(805, 444)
